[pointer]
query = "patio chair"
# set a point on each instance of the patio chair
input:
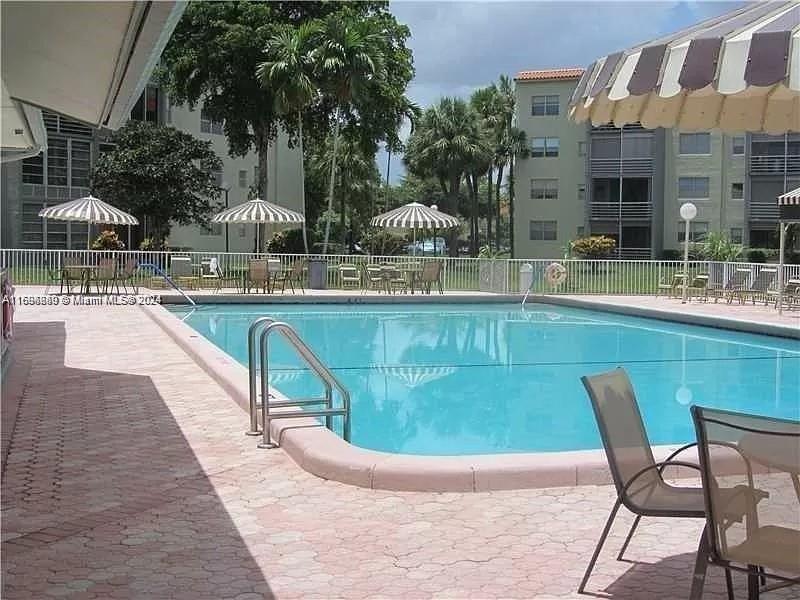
(671, 289)
(348, 276)
(257, 275)
(210, 273)
(736, 283)
(373, 278)
(760, 287)
(764, 541)
(637, 476)
(292, 275)
(105, 274)
(791, 294)
(431, 274)
(72, 271)
(698, 288)
(180, 268)
(128, 274)
(394, 278)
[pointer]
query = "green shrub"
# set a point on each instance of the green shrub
(108, 240)
(381, 242)
(756, 256)
(289, 241)
(594, 246)
(718, 247)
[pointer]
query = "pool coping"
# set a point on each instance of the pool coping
(326, 455)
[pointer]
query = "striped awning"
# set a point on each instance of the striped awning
(88, 210)
(415, 215)
(258, 211)
(790, 198)
(737, 72)
(412, 376)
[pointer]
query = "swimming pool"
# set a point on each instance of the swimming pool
(485, 379)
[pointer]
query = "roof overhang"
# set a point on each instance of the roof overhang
(88, 61)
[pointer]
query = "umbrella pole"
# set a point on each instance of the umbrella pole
(781, 257)
(88, 235)
(129, 236)
(414, 243)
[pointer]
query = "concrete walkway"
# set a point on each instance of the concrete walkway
(128, 476)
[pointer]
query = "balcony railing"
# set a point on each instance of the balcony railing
(641, 166)
(764, 211)
(774, 164)
(633, 211)
(633, 253)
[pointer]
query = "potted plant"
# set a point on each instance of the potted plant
(108, 240)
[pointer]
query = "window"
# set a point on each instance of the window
(544, 106)
(694, 143)
(737, 191)
(736, 235)
(242, 230)
(208, 125)
(33, 169)
(543, 230)
(697, 231)
(80, 161)
(692, 187)
(582, 148)
(544, 189)
(737, 145)
(581, 231)
(242, 179)
(581, 193)
(213, 229)
(545, 147)
(146, 107)
(217, 178)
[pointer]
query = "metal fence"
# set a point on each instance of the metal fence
(612, 277)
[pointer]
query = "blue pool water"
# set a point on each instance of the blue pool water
(474, 379)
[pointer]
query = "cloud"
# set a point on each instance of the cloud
(461, 46)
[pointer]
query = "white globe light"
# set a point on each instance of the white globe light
(434, 207)
(688, 211)
(683, 396)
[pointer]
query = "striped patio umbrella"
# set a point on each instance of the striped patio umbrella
(89, 210)
(259, 212)
(788, 212)
(412, 376)
(737, 72)
(413, 216)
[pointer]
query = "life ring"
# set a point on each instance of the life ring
(555, 274)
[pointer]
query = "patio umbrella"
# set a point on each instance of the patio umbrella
(415, 215)
(91, 210)
(413, 376)
(736, 72)
(788, 212)
(259, 211)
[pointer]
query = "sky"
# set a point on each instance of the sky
(460, 46)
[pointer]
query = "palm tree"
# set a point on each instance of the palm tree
(486, 101)
(517, 147)
(350, 61)
(445, 145)
(290, 72)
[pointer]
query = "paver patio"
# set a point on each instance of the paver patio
(128, 476)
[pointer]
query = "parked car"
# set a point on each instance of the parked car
(428, 247)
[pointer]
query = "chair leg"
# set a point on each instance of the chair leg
(729, 584)
(700, 567)
(599, 546)
(753, 576)
(630, 535)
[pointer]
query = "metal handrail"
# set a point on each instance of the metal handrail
(329, 381)
(168, 279)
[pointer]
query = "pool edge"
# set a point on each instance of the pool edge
(324, 454)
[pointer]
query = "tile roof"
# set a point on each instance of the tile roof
(550, 74)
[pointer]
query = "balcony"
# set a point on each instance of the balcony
(631, 211)
(764, 211)
(774, 164)
(631, 167)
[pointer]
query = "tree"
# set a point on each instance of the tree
(486, 102)
(517, 145)
(159, 173)
(446, 144)
(291, 72)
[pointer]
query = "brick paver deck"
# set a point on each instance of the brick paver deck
(128, 476)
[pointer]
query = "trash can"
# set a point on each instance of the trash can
(317, 273)
(525, 277)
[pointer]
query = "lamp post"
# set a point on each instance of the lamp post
(226, 188)
(688, 212)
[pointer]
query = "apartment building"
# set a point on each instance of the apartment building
(629, 183)
(61, 173)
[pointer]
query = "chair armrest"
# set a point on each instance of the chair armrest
(678, 451)
(660, 466)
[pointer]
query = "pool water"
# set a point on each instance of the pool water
(481, 379)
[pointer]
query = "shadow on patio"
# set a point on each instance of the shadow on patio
(104, 497)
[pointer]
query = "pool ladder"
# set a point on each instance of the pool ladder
(260, 398)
